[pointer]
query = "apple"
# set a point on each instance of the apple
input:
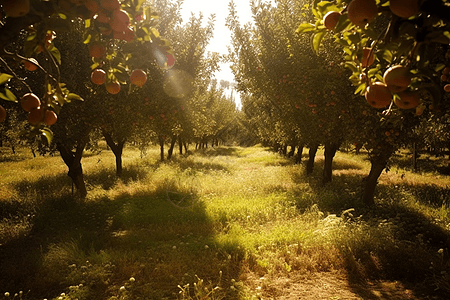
(98, 76)
(30, 101)
(50, 117)
(331, 19)
(407, 99)
(404, 8)
(30, 64)
(110, 4)
(397, 78)
(16, 8)
(361, 12)
(97, 50)
(138, 77)
(113, 87)
(36, 116)
(378, 95)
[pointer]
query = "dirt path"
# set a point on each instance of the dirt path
(334, 286)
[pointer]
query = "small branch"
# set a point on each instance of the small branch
(21, 58)
(15, 75)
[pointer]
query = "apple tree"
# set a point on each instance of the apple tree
(396, 51)
(114, 32)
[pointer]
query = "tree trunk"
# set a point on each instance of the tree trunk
(172, 145)
(117, 149)
(414, 156)
(378, 164)
(73, 161)
(298, 158)
(180, 145)
(312, 156)
(330, 152)
(161, 146)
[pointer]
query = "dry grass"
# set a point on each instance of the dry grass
(224, 223)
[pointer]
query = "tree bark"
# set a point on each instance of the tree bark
(312, 156)
(73, 161)
(180, 145)
(117, 149)
(330, 152)
(378, 164)
(298, 158)
(161, 146)
(172, 145)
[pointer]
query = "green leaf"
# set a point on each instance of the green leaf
(317, 39)
(326, 6)
(361, 88)
(4, 78)
(342, 24)
(6, 94)
(87, 38)
(305, 27)
(48, 134)
(56, 54)
(72, 96)
(155, 32)
(387, 56)
(352, 66)
(31, 36)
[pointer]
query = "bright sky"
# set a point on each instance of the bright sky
(221, 33)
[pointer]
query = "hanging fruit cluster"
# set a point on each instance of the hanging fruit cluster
(121, 37)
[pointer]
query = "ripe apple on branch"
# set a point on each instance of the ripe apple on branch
(391, 47)
(115, 32)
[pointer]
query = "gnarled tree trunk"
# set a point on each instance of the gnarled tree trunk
(329, 153)
(312, 155)
(117, 149)
(378, 164)
(73, 160)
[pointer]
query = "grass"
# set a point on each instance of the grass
(222, 223)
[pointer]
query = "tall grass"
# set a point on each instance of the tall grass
(221, 223)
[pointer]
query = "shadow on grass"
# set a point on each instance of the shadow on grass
(425, 163)
(220, 151)
(390, 242)
(7, 155)
(161, 238)
(205, 167)
(107, 179)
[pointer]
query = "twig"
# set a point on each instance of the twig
(15, 75)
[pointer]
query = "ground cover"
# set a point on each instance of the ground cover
(221, 223)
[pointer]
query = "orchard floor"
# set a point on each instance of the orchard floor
(332, 286)
(246, 222)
